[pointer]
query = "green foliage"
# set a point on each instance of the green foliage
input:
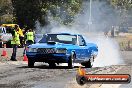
(26, 12)
(29, 11)
(5, 11)
(124, 4)
(124, 9)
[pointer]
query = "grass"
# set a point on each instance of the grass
(125, 42)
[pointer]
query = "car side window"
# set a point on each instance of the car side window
(81, 41)
(43, 40)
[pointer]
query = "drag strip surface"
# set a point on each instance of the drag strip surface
(18, 75)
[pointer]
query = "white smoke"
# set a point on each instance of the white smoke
(109, 53)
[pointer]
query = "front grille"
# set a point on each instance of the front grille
(45, 50)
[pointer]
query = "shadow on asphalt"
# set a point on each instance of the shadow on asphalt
(47, 67)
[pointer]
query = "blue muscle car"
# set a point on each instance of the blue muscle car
(62, 48)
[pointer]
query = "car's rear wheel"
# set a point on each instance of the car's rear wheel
(89, 63)
(71, 61)
(30, 63)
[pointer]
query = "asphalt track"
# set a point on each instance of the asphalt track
(18, 75)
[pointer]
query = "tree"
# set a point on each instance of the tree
(124, 4)
(29, 11)
(26, 12)
(6, 11)
(124, 8)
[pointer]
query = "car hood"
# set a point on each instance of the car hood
(45, 45)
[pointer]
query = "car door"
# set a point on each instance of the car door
(82, 47)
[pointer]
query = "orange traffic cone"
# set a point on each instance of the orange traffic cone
(4, 53)
(25, 58)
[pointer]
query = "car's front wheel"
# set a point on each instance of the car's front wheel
(70, 61)
(52, 65)
(30, 63)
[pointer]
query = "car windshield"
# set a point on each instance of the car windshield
(60, 38)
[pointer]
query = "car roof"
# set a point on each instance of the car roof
(63, 34)
(11, 25)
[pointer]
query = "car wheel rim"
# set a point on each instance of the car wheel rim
(92, 60)
(72, 58)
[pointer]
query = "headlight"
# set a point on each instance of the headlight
(61, 50)
(32, 50)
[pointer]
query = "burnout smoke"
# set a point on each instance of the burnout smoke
(109, 53)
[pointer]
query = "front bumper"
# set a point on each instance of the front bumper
(57, 58)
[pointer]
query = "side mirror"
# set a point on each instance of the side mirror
(84, 44)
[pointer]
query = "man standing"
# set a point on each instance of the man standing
(29, 37)
(15, 42)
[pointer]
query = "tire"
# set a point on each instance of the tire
(8, 44)
(1, 44)
(89, 63)
(30, 63)
(52, 65)
(70, 61)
